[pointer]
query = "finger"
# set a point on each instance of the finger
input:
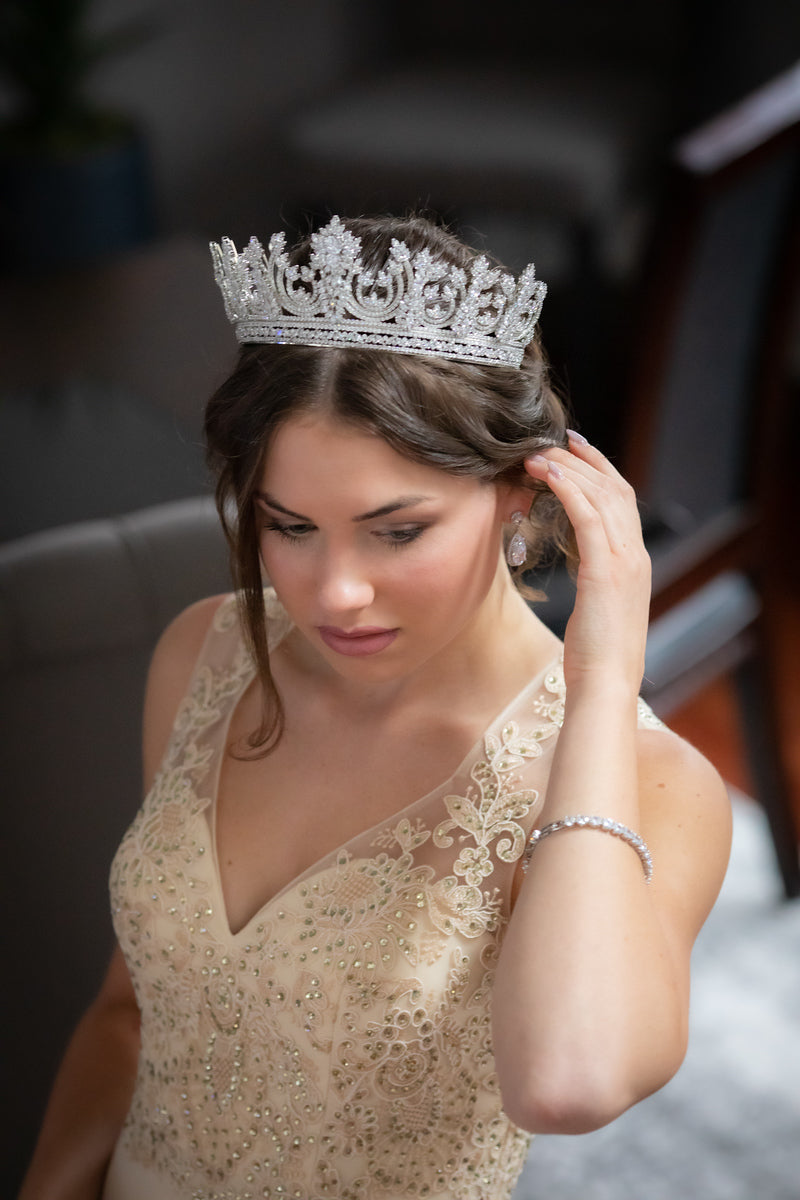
(593, 464)
(611, 498)
(606, 488)
(605, 546)
(589, 461)
(594, 532)
(584, 451)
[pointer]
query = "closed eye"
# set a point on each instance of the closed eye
(291, 533)
(397, 538)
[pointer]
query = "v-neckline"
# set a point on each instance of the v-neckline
(211, 808)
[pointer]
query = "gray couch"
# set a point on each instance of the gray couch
(81, 608)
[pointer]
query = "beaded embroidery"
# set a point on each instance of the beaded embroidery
(338, 1045)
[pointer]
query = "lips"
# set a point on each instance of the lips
(356, 643)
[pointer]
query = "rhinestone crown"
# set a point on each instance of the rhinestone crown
(414, 305)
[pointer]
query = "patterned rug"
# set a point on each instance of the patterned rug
(727, 1127)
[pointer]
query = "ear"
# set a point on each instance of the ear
(515, 498)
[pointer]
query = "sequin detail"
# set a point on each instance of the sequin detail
(339, 1045)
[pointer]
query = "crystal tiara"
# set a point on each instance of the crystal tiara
(414, 305)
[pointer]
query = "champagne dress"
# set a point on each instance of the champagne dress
(339, 1044)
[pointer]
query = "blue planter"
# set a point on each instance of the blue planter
(62, 210)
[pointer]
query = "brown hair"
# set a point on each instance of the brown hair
(480, 421)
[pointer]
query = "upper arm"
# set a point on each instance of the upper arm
(168, 678)
(686, 822)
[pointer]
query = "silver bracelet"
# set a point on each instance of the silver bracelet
(605, 825)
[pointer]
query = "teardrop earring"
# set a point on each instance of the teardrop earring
(517, 549)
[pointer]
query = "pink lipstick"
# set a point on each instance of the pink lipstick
(356, 643)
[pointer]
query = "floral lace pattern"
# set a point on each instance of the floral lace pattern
(550, 704)
(491, 806)
(339, 1045)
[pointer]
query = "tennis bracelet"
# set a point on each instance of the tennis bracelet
(605, 825)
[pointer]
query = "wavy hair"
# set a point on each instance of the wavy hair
(465, 419)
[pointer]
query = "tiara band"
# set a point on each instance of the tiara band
(413, 305)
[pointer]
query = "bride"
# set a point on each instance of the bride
(412, 879)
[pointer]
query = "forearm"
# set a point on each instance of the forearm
(87, 1107)
(587, 1007)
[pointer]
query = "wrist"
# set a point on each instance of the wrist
(602, 698)
(580, 821)
(612, 672)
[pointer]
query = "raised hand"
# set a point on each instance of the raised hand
(605, 637)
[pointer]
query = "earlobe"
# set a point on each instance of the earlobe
(517, 499)
(514, 497)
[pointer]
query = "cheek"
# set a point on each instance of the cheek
(282, 564)
(459, 568)
(265, 545)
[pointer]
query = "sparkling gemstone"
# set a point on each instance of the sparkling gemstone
(517, 550)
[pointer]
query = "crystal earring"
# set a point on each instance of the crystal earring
(517, 550)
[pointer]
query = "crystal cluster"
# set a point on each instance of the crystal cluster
(414, 305)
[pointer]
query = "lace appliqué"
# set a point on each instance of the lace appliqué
(163, 826)
(340, 1045)
(491, 806)
(332, 1037)
(551, 705)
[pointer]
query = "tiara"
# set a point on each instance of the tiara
(413, 305)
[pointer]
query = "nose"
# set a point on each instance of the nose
(344, 585)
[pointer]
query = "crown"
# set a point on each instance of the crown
(413, 305)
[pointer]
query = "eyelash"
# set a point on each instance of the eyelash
(288, 532)
(396, 539)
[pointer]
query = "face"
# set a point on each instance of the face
(382, 563)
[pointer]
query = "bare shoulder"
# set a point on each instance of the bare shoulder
(686, 815)
(170, 671)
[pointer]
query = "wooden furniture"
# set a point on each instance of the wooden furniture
(709, 416)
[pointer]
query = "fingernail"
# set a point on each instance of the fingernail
(574, 436)
(555, 470)
(538, 459)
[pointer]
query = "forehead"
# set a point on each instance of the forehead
(320, 457)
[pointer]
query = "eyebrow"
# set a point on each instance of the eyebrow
(384, 510)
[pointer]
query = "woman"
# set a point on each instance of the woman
(387, 905)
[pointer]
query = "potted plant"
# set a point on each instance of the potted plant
(74, 178)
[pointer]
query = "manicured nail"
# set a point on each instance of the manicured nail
(555, 470)
(574, 436)
(538, 459)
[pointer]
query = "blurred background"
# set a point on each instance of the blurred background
(541, 133)
(644, 156)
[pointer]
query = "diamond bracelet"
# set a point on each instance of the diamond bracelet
(605, 825)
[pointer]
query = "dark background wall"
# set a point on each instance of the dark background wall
(219, 77)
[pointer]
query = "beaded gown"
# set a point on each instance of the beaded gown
(339, 1044)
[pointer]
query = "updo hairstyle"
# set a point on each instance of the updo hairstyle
(463, 418)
